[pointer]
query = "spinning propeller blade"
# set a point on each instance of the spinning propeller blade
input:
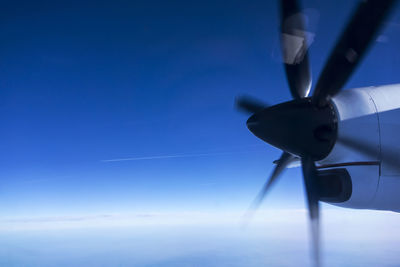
(249, 105)
(389, 156)
(310, 177)
(295, 49)
(281, 165)
(351, 48)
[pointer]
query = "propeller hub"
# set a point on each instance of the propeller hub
(298, 127)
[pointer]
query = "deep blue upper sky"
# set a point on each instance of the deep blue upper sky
(86, 82)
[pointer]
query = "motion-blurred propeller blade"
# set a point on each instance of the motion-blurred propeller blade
(249, 104)
(310, 176)
(389, 156)
(294, 49)
(351, 48)
(281, 165)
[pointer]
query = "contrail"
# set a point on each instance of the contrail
(173, 156)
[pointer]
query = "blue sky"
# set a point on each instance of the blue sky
(83, 83)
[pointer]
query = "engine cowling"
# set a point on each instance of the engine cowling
(356, 120)
(370, 117)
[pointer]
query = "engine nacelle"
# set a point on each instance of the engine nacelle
(370, 119)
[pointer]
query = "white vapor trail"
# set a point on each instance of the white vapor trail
(174, 156)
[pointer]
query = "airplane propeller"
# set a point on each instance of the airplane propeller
(306, 127)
